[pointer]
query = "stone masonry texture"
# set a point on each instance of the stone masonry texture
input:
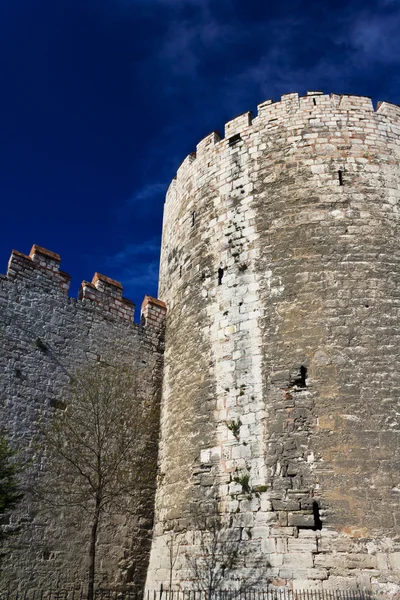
(45, 337)
(279, 377)
(280, 269)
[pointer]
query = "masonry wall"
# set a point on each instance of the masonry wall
(45, 337)
(280, 268)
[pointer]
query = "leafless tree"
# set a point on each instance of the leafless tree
(220, 559)
(97, 448)
(217, 556)
(173, 545)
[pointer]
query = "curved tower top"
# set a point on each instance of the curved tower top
(280, 270)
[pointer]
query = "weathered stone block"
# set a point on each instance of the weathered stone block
(299, 560)
(301, 519)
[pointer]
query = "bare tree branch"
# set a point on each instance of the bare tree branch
(95, 447)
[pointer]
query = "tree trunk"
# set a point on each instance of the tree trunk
(92, 551)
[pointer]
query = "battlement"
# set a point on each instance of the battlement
(40, 262)
(41, 266)
(107, 293)
(153, 312)
(291, 110)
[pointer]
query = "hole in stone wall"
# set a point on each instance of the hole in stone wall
(301, 378)
(57, 404)
(234, 139)
(340, 175)
(193, 218)
(315, 102)
(317, 518)
(220, 275)
(317, 523)
(303, 375)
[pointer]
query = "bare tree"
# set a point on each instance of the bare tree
(220, 560)
(10, 488)
(215, 559)
(173, 545)
(97, 448)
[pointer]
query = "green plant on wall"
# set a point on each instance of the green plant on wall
(244, 481)
(235, 426)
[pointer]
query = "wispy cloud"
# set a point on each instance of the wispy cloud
(136, 265)
(146, 280)
(377, 37)
(189, 41)
(132, 252)
(140, 204)
(147, 193)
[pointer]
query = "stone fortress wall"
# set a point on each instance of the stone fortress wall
(44, 338)
(280, 269)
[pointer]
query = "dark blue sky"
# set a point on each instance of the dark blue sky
(102, 99)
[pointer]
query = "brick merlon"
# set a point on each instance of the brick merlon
(39, 250)
(21, 255)
(150, 300)
(104, 279)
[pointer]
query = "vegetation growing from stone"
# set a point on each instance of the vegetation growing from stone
(97, 449)
(235, 426)
(244, 481)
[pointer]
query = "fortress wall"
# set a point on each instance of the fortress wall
(45, 337)
(299, 208)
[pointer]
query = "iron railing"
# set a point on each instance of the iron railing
(250, 594)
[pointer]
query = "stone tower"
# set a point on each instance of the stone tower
(280, 269)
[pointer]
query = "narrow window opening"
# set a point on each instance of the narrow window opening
(315, 102)
(234, 139)
(193, 218)
(317, 518)
(340, 174)
(303, 376)
(220, 275)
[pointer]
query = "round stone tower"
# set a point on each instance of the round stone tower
(280, 447)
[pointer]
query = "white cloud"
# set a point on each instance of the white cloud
(136, 266)
(147, 192)
(146, 278)
(131, 252)
(377, 37)
(189, 40)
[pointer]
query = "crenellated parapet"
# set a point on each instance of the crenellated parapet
(294, 112)
(47, 340)
(40, 262)
(153, 312)
(42, 267)
(107, 293)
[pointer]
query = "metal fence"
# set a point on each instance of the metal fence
(269, 594)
